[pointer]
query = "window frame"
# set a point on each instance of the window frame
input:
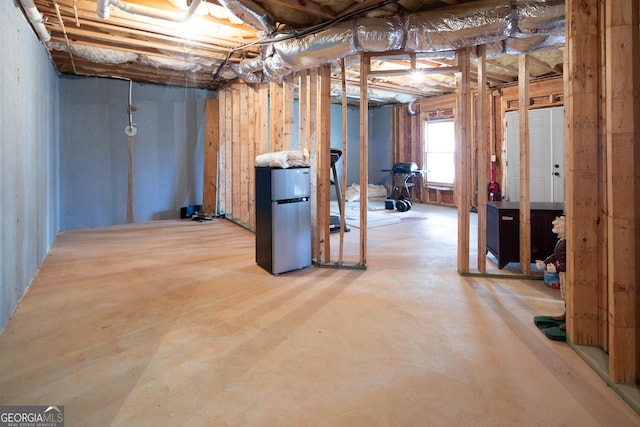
(425, 153)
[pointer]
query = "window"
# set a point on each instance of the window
(440, 143)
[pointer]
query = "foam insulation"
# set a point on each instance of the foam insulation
(95, 54)
(171, 63)
(113, 56)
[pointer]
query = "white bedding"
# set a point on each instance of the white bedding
(284, 159)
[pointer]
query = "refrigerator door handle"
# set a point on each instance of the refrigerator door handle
(300, 199)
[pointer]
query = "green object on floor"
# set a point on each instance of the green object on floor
(543, 322)
(555, 333)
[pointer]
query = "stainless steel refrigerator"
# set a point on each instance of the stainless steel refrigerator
(283, 219)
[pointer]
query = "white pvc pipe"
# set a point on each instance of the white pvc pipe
(104, 11)
(35, 18)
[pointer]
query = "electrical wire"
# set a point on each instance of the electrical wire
(66, 37)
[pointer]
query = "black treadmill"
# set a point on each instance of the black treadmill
(334, 220)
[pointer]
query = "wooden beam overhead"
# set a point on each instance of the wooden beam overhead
(406, 72)
(307, 6)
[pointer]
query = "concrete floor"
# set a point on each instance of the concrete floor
(173, 323)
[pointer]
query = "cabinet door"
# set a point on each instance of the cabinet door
(509, 236)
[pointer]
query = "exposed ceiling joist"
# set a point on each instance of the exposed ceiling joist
(198, 53)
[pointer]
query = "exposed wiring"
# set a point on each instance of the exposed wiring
(66, 37)
(131, 130)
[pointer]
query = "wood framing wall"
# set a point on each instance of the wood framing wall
(253, 119)
(602, 137)
(602, 162)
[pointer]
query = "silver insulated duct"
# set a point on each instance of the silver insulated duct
(251, 14)
(517, 26)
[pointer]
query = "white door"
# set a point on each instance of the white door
(557, 153)
(546, 155)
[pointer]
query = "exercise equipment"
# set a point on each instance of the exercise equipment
(334, 220)
(404, 176)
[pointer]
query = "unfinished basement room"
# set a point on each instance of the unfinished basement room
(320, 213)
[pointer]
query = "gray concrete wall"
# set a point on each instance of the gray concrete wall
(167, 151)
(380, 151)
(380, 154)
(28, 156)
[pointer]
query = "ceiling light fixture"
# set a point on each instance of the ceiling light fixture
(417, 76)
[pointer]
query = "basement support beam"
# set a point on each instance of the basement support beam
(364, 156)
(483, 149)
(622, 47)
(464, 124)
(584, 196)
(323, 122)
(525, 186)
(343, 179)
(311, 135)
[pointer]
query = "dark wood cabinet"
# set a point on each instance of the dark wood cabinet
(503, 230)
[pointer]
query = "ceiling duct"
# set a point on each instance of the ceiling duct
(444, 29)
(251, 14)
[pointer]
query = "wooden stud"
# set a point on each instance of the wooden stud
(483, 150)
(235, 154)
(287, 113)
(364, 156)
(585, 202)
(623, 180)
(417, 152)
(525, 186)
(243, 148)
(275, 116)
(601, 289)
(263, 114)
(303, 105)
(222, 162)
(211, 143)
(254, 133)
(229, 154)
(343, 181)
(312, 143)
(324, 160)
(463, 158)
